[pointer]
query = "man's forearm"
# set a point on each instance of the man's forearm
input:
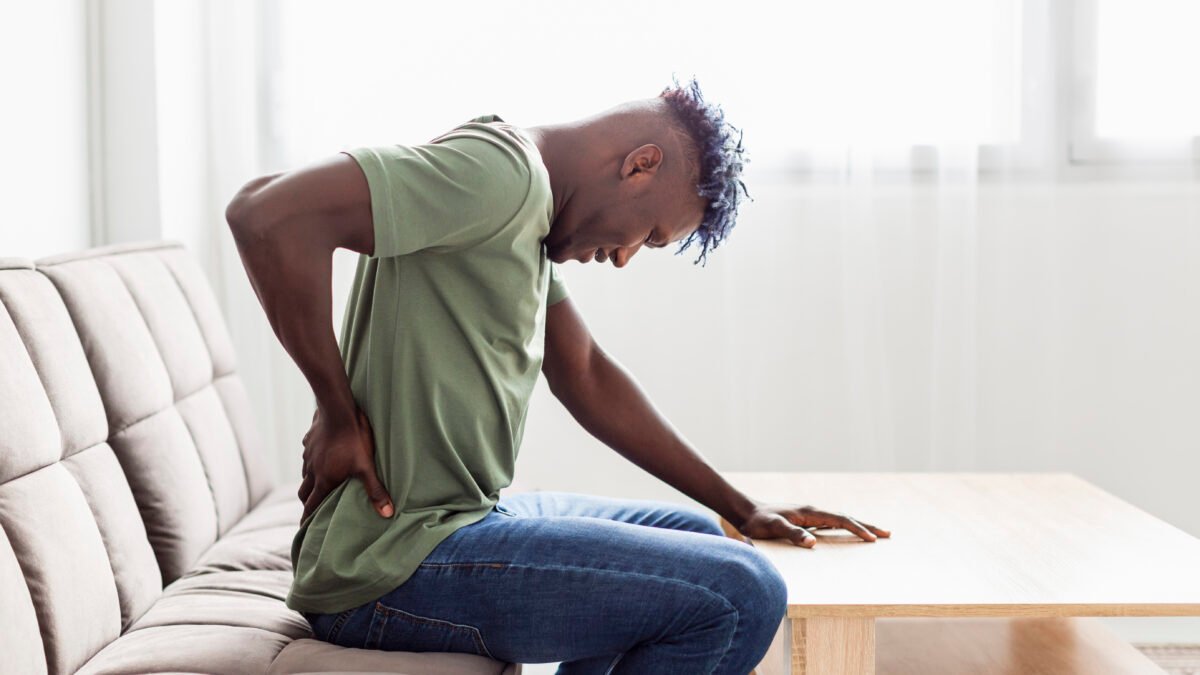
(608, 402)
(292, 278)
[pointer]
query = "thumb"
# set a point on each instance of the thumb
(378, 495)
(802, 537)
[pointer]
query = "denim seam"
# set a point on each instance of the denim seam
(613, 664)
(472, 631)
(737, 620)
(709, 591)
(466, 564)
(375, 629)
(338, 622)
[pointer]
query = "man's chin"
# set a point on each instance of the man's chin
(559, 254)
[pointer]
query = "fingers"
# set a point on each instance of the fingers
(817, 519)
(857, 528)
(784, 528)
(314, 499)
(879, 531)
(377, 493)
(306, 487)
(864, 530)
(801, 537)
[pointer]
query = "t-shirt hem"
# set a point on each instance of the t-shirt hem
(553, 298)
(330, 603)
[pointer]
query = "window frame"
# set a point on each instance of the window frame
(1085, 147)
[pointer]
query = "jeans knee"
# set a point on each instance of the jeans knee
(696, 521)
(777, 591)
(762, 588)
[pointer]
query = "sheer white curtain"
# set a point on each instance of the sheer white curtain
(209, 137)
(890, 300)
(842, 104)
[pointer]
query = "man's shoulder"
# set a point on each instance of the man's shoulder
(507, 150)
(493, 130)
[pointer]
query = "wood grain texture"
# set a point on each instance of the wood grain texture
(833, 645)
(1024, 646)
(973, 646)
(978, 544)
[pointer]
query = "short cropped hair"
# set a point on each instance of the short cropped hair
(720, 160)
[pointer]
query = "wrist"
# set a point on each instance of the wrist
(732, 505)
(338, 411)
(741, 509)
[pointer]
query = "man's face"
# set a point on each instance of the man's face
(613, 223)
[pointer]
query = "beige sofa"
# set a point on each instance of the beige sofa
(140, 531)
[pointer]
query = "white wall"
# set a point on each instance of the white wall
(1085, 351)
(43, 130)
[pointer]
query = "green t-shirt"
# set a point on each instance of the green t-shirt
(442, 339)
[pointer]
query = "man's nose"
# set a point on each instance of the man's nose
(623, 254)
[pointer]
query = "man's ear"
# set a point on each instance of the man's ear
(643, 161)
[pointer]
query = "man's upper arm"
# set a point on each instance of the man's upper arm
(569, 345)
(327, 202)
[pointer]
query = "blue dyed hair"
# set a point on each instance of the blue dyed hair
(720, 160)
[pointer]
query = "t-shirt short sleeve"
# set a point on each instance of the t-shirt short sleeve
(558, 286)
(442, 196)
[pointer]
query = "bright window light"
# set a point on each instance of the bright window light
(794, 75)
(1147, 56)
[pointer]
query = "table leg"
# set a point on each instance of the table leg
(821, 645)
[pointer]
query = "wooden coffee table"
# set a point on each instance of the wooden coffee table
(995, 563)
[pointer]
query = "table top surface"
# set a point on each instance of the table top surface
(978, 544)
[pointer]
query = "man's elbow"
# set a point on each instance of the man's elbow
(245, 214)
(560, 383)
(553, 383)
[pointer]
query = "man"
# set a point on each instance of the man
(457, 303)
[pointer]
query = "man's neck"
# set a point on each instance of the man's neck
(554, 145)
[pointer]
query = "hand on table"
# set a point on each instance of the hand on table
(788, 521)
(336, 451)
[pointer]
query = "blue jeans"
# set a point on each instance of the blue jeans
(603, 585)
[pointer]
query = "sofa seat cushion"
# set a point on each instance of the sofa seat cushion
(224, 622)
(315, 656)
(265, 549)
(280, 508)
(262, 540)
(189, 648)
(252, 599)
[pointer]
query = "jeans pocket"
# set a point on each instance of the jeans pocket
(327, 627)
(396, 630)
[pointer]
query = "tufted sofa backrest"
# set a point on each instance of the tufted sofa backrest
(126, 443)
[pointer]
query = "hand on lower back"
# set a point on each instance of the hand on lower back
(335, 451)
